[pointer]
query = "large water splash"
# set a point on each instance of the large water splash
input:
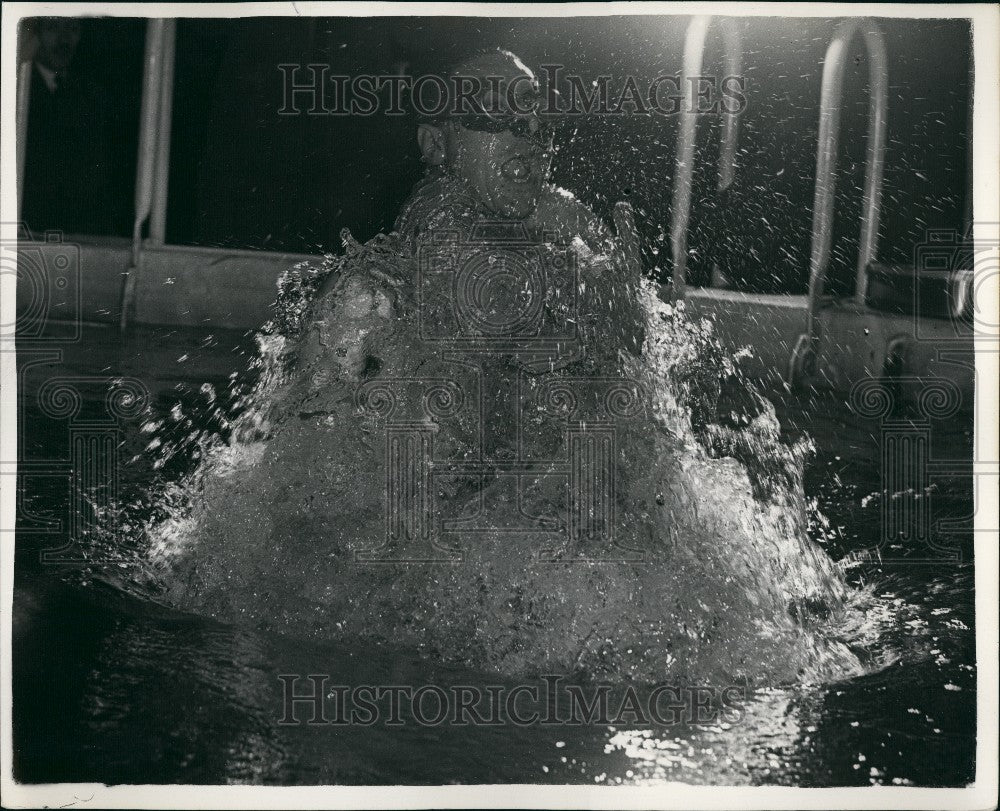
(711, 577)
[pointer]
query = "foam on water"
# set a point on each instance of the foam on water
(721, 585)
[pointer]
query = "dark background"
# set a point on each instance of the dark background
(244, 176)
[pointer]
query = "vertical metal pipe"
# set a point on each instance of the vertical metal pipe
(148, 119)
(680, 207)
(878, 117)
(826, 165)
(161, 178)
(730, 120)
(23, 111)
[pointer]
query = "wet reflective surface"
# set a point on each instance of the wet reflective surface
(112, 688)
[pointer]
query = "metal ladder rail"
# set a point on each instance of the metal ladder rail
(680, 206)
(154, 151)
(803, 360)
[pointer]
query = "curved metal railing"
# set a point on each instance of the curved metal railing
(680, 206)
(831, 103)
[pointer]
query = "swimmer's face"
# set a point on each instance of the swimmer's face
(58, 38)
(503, 153)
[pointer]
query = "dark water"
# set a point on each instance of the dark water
(110, 687)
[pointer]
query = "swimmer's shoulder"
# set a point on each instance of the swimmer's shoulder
(561, 211)
(437, 202)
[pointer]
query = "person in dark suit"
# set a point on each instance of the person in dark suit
(67, 174)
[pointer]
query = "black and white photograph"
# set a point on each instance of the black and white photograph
(463, 405)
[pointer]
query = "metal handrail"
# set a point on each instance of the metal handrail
(803, 356)
(161, 173)
(680, 207)
(23, 112)
(27, 47)
(826, 155)
(149, 118)
(729, 138)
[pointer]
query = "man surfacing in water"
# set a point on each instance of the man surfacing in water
(477, 452)
(487, 184)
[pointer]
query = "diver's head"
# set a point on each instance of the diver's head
(493, 138)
